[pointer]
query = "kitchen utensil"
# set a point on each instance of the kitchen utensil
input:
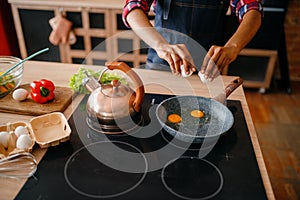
(115, 105)
(22, 61)
(217, 117)
(18, 165)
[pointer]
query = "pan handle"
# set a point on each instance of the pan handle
(233, 85)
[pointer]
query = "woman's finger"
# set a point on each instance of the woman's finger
(206, 59)
(211, 65)
(167, 56)
(177, 62)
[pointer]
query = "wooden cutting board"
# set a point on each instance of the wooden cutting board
(63, 97)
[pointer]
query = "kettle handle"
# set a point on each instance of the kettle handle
(233, 85)
(140, 91)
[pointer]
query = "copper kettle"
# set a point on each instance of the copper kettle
(115, 105)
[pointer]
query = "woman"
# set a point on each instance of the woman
(201, 20)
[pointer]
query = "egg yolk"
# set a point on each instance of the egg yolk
(197, 113)
(174, 118)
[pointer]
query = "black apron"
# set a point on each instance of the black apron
(196, 23)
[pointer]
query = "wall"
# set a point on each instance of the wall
(292, 30)
(8, 38)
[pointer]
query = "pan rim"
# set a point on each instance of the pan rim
(195, 137)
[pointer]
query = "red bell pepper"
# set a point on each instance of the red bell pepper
(42, 91)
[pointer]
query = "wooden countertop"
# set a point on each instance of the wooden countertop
(154, 82)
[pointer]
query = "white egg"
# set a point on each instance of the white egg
(203, 79)
(21, 130)
(20, 94)
(183, 74)
(4, 137)
(24, 142)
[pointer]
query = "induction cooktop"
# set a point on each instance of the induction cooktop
(147, 163)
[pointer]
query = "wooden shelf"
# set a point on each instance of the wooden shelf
(255, 66)
(100, 32)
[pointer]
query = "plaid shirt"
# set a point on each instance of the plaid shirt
(239, 7)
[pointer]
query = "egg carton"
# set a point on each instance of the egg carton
(45, 130)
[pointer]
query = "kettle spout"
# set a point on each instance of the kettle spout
(90, 83)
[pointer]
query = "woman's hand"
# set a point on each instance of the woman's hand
(216, 59)
(176, 55)
(219, 57)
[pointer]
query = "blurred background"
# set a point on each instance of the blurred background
(270, 65)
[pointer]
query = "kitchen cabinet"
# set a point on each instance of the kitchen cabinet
(255, 66)
(93, 23)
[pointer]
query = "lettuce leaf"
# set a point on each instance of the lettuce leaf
(76, 79)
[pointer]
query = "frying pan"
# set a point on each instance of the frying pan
(217, 117)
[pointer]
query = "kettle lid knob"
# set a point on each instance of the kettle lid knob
(115, 83)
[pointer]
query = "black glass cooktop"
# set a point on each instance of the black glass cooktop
(147, 163)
